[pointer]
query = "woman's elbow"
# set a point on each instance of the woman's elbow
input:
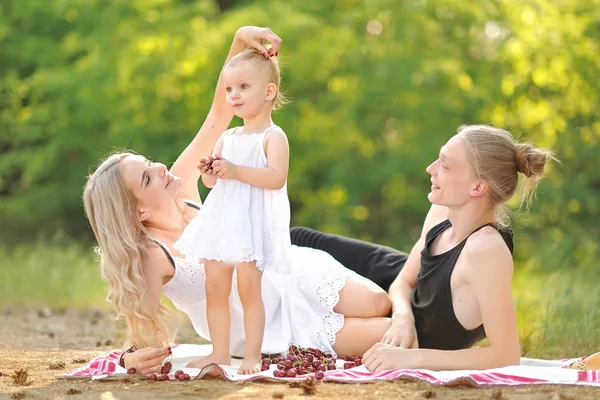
(507, 358)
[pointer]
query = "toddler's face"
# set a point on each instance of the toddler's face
(246, 88)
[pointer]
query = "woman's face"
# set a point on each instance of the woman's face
(152, 184)
(452, 179)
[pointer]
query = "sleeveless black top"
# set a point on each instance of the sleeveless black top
(435, 321)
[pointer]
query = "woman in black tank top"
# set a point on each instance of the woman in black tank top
(453, 289)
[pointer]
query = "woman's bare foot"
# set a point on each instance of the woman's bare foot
(250, 365)
(219, 359)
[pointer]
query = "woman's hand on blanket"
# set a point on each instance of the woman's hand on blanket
(383, 357)
(254, 36)
(147, 360)
(402, 333)
(223, 168)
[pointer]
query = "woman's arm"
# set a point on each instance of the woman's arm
(156, 267)
(273, 176)
(220, 115)
(402, 333)
(491, 283)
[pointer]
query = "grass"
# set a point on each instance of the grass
(50, 275)
(558, 313)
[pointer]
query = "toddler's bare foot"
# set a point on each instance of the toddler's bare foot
(220, 359)
(250, 365)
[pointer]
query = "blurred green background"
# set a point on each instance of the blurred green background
(377, 86)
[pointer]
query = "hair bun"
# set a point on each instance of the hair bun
(530, 160)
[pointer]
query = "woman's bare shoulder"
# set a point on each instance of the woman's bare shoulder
(156, 262)
(486, 254)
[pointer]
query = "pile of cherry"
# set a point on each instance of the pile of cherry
(164, 373)
(302, 361)
(299, 361)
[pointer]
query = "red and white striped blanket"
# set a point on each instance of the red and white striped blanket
(530, 372)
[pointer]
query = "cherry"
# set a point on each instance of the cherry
(264, 367)
(319, 375)
(348, 365)
(291, 373)
(278, 374)
(166, 368)
(131, 371)
(288, 364)
(162, 377)
(209, 164)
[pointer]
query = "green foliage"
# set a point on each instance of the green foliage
(377, 87)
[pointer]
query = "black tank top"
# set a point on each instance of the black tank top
(436, 323)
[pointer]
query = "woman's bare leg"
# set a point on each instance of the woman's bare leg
(218, 313)
(249, 287)
(361, 297)
(359, 334)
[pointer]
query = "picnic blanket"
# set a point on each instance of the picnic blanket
(530, 372)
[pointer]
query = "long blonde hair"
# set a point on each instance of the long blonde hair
(122, 240)
(497, 157)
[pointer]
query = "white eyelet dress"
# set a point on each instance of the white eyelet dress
(239, 222)
(298, 306)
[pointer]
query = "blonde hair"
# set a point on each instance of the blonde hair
(270, 66)
(122, 240)
(497, 157)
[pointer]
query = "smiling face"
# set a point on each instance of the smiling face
(248, 90)
(453, 182)
(151, 183)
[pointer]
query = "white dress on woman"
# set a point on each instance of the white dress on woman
(238, 221)
(298, 306)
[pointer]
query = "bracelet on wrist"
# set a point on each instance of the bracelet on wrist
(122, 358)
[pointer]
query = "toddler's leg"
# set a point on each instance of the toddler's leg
(218, 313)
(249, 287)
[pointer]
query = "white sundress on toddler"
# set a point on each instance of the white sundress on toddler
(239, 222)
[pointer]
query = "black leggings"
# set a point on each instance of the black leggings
(380, 264)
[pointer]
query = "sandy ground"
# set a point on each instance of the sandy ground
(37, 340)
